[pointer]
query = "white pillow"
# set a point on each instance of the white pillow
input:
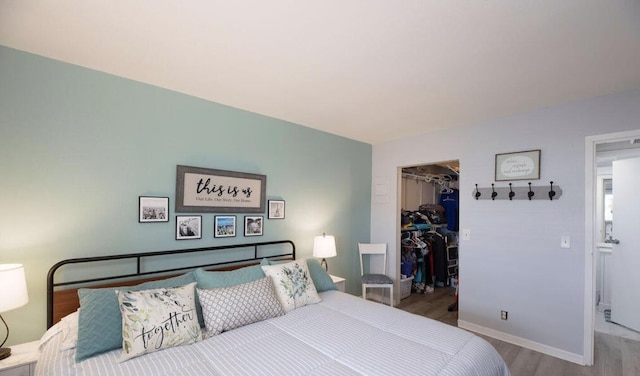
(71, 330)
(232, 307)
(157, 319)
(66, 327)
(293, 284)
(55, 330)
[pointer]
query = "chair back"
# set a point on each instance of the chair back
(373, 250)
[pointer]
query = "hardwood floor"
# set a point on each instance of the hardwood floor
(614, 356)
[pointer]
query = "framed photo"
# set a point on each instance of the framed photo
(188, 227)
(224, 226)
(253, 225)
(522, 165)
(153, 209)
(205, 190)
(276, 209)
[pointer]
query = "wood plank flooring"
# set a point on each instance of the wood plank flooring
(614, 356)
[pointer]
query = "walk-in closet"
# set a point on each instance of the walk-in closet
(429, 229)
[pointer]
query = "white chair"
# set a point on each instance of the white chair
(375, 276)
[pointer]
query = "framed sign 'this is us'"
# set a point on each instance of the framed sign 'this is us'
(218, 191)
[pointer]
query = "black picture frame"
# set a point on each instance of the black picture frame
(276, 209)
(224, 226)
(153, 209)
(253, 225)
(188, 227)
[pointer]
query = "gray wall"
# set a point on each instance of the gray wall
(513, 260)
(78, 147)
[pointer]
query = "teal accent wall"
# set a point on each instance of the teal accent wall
(78, 147)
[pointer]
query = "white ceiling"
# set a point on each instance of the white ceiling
(369, 70)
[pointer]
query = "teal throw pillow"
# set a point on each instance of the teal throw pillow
(100, 321)
(215, 279)
(320, 277)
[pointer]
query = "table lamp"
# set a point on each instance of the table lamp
(13, 294)
(324, 246)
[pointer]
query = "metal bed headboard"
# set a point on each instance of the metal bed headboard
(138, 257)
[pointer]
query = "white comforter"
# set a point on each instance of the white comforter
(342, 335)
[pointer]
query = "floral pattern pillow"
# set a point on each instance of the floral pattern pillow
(157, 319)
(293, 284)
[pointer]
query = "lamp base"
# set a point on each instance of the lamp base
(5, 352)
(324, 264)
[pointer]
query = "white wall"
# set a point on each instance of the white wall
(513, 260)
(416, 193)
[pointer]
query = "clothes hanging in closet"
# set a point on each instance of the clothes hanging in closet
(449, 201)
(417, 260)
(439, 257)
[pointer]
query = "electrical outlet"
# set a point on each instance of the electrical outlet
(504, 315)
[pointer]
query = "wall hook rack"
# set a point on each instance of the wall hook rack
(552, 193)
(477, 194)
(529, 192)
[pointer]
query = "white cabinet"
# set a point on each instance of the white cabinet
(22, 361)
(24, 370)
(339, 282)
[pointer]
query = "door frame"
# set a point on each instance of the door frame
(591, 181)
(399, 193)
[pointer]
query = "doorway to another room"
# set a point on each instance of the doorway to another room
(612, 241)
(428, 237)
(610, 288)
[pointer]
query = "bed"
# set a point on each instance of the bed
(326, 333)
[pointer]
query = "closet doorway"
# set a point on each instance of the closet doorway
(428, 233)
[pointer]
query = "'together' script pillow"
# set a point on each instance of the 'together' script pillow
(157, 319)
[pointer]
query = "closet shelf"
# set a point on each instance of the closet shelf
(417, 227)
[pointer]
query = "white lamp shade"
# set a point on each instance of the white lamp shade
(13, 287)
(324, 246)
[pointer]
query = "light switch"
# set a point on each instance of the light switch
(466, 234)
(565, 242)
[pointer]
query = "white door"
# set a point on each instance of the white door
(625, 259)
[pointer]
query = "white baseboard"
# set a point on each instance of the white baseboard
(531, 345)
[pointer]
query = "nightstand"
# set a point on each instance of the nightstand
(22, 361)
(339, 282)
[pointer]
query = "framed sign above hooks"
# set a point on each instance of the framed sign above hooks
(522, 165)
